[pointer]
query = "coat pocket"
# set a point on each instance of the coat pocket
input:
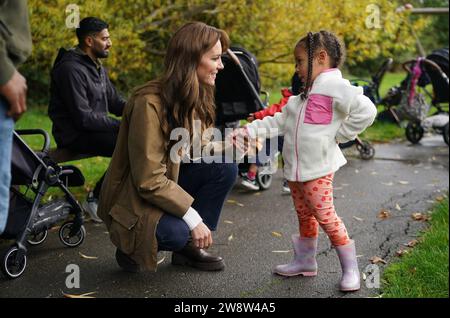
(123, 228)
(319, 110)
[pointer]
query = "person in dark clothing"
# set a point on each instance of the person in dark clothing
(15, 47)
(81, 98)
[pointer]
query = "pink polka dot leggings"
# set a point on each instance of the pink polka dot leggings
(313, 201)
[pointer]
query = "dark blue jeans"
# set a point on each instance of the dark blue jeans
(6, 137)
(209, 185)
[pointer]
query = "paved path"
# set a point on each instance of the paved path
(402, 179)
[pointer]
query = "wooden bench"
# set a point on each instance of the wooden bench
(63, 155)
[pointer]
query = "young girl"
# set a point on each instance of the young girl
(329, 111)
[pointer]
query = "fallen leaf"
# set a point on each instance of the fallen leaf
(161, 260)
(358, 219)
(87, 257)
(86, 295)
(281, 251)
(235, 202)
(358, 256)
(412, 243)
(384, 214)
(420, 217)
(376, 260)
(400, 253)
(55, 228)
(230, 238)
(439, 198)
(228, 222)
(276, 234)
(403, 182)
(364, 276)
(398, 207)
(387, 184)
(257, 193)
(413, 270)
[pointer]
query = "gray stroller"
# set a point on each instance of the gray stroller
(29, 218)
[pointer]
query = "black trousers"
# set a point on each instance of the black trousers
(95, 144)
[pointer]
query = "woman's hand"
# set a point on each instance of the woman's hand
(201, 236)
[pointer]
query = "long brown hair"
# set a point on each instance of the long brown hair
(182, 95)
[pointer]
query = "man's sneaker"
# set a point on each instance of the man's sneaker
(251, 184)
(285, 187)
(90, 206)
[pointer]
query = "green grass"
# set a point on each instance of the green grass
(423, 273)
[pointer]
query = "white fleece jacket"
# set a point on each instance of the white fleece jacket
(335, 111)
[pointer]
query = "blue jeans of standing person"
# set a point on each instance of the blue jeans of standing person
(209, 185)
(6, 130)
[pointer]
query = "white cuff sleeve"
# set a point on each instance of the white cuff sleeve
(192, 218)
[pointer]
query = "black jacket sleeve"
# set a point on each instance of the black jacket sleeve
(74, 95)
(115, 101)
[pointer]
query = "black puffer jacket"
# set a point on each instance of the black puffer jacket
(81, 96)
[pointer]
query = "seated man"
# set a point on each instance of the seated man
(81, 96)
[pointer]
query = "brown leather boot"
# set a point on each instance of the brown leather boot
(126, 263)
(197, 258)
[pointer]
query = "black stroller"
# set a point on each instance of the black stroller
(407, 101)
(238, 90)
(372, 91)
(29, 218)
(412, 93)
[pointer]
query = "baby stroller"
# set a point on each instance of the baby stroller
(29, 218)
(238, 94)
(372, 91)
(413, 105)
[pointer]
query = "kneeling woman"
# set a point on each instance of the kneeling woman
(148, 201)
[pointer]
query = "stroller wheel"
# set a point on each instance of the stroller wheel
(414, 132)
(366, 150)
(68, 239)
(13, 265)
(36, 239)
(445, 133)
(264, 180)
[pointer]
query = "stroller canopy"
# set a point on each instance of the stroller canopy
(234, 98)
(433, 76)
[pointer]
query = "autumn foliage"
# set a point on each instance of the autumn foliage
(268, 28)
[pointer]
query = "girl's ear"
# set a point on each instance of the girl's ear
(322, 56)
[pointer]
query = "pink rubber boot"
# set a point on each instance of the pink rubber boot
(350, 280)
(304, 262)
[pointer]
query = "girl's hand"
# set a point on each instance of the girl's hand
(240, 139)
(251, 117)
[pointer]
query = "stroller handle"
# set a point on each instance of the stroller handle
(236, 61)
(46, 147)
